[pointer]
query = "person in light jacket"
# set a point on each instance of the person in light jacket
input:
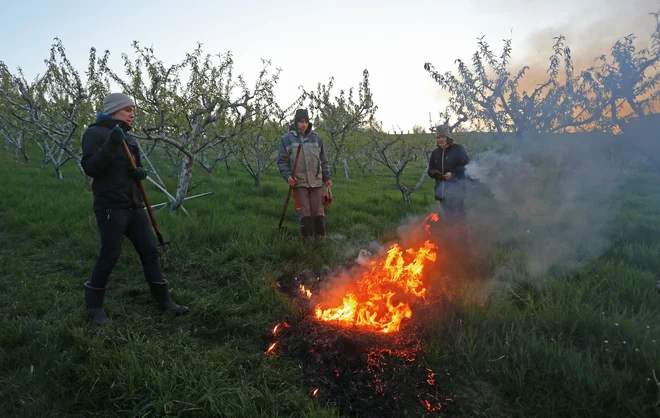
(312, 172)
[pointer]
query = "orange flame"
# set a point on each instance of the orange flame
(432, 217)
(305, 291)
(373, 306)
(315, 392)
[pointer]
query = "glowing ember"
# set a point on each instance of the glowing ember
(279, 326)
(430, 377)
(316, 391)
(271, 348)
(431, 407)
(373, 304)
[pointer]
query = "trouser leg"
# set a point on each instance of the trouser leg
(308, 200)
(317, 211)
(112, 225)
(141, 235)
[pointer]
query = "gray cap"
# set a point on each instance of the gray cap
(115, 102)
(442, 130)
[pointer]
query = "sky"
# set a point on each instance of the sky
(312, 41)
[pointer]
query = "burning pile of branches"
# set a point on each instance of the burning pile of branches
(359, 335)
(372, 306)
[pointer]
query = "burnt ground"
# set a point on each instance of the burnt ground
(364, 373)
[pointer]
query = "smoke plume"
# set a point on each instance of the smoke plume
(548, 199)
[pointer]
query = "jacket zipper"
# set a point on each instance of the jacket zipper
(442, 166)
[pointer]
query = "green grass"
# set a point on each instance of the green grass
(577, 343)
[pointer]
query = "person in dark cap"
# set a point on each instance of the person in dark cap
(447, 167)
(312, 173)
(118, 204)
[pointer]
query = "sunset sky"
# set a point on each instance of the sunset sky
(314, 40)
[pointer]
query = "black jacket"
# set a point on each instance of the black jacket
(452, 159)
(112, 186)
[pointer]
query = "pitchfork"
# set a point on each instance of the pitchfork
(288, 196)
(168, 250)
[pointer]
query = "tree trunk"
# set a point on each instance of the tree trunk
(405, 193)
(58, 171)
(346, 170)
(79, 165)
(257, 180)
(184, 181)
(20, 151)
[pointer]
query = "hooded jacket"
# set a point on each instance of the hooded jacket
(113, 187)
(451, 159)
(313, 168)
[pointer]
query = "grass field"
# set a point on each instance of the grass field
(577, 343)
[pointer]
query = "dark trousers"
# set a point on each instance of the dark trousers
(134, 224)
(453, 209)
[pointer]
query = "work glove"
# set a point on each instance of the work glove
(138, 174)
(116, 137)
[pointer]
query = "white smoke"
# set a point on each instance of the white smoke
(550, 198)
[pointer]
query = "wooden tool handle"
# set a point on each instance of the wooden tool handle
(144, 195)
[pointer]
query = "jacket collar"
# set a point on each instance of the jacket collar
(105, 120)
(292, 128)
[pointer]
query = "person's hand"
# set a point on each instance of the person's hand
(446, 176)
(116, 136)
(328, 183)
(291, 181)
(138, 174)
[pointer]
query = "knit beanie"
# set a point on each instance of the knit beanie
(301, 114)
(115, 102)
(442, 130)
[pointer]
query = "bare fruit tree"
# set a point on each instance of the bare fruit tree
(395, 152)
(191, 116)
(490, 93)
(627, 81)
(602, 97)
(56, 105)
(13, 126)
(340, 116)
(255, 148)
(209, 159)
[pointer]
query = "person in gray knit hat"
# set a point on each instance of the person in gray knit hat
(115, 102)
(118, 204)
(312, 173)
(447, 167)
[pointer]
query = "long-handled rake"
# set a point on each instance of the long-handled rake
(168, 249)
(288, 196)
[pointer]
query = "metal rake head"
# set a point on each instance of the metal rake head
(168, 251)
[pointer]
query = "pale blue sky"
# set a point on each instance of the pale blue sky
(313, 40)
